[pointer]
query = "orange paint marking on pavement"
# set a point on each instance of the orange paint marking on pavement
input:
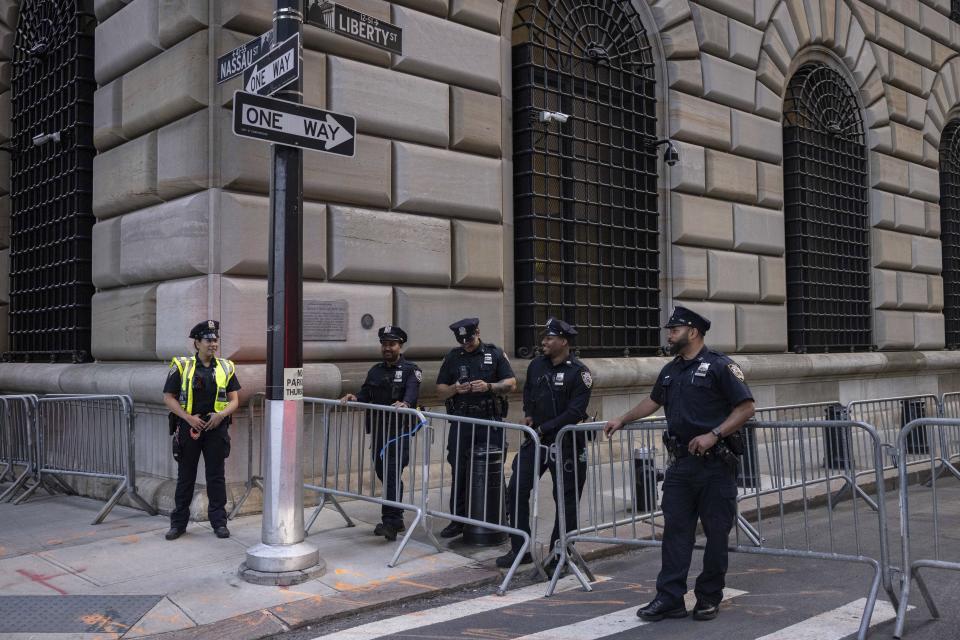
(42, 579)
(103, 622)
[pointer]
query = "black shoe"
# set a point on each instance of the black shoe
(506, 560)
(174, 533)
(551, 565)
(389, 530)
(660, 609)
(222, 531)
(705, 610)
(452, 530)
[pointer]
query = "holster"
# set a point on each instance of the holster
(735, 443)
(172, 421)
(175, 444)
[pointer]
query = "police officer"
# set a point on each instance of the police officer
(556, 394)
(473, 381)
(394, 382)
(706, 402)
(202, 393)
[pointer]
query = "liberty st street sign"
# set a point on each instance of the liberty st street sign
(289, 123)
(275, 70)
(357, 26)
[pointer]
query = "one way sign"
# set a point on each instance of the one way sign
(275, 70)
(283, 122)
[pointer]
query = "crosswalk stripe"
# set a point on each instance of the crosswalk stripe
(835, 624)
(449, 612)
(609, 624)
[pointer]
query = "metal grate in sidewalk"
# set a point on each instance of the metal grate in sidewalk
(72, 614)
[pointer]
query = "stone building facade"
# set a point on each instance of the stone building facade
(420, 227)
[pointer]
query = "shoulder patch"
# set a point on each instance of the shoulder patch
(418, 374)
(736, 371)
(587, 378)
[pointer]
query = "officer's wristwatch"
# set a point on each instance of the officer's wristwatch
(716, 431)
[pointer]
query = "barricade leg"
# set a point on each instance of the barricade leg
(11, 491)
(110, 503)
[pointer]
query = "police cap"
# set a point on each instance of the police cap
(555, 327)
(392, 333)
(683, 317)
(464, 329)
(205, 329)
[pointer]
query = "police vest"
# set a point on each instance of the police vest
(223, 371)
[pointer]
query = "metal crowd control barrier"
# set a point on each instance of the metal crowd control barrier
(938, 458)
(470, 487)
(254, 479)
(17, 446)
(360, 446)
(609, 512)
(88, 435)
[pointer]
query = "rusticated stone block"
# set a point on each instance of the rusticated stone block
(447, 51)
(890, 32)
(249, 17)
(123, 323)
(910, 215)
(690, 174)
(733, 276)
(756, 137)
(179, 304)
(891, 249)
(426, 313)
(475, 122)
(129, 38)
(170, 86)
(436, 7)
(907, 142)
(929, 330)
(773, 279)
(883, 209)
(685, 75)
(168, 241)
(731, 177)
(723, 318)
(701, 221)
(931, 214)
(905, 73)
(107, 114)
(769, 185)
(183, 156)
(912, 291)
(477, 13)
(893, 329)
(927, 255)
(103, 9)
(761, 328)
(745, 43)
(712, 28)
(889, 173)
(680, 41)
(699, 121)
(179, 19)
(125, 178)
(924, 182)
(446, 183)
(419, 108)
(375, 246)
(727, 83)
(105, 240)
(885, 289)
(689, 272)
(477, 254)
(758, 230)
(934, 293)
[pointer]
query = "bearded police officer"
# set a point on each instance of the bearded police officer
(201, 392)
(706, 402)
(473, 381)
(394, 382)
(555, 394)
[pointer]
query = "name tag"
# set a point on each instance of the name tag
(488, 358)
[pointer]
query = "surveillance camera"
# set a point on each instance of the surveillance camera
(553, 116)
(44, 138)
(672, 155)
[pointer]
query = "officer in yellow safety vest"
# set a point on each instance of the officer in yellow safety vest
(201, 392)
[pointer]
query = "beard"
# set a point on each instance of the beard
(679, 345)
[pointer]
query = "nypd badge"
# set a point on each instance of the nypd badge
(587, 379)
(735, 370)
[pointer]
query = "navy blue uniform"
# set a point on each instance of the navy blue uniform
(386, 384)
(697, 396)
(554, 396)
(213, 444)
(488, 363)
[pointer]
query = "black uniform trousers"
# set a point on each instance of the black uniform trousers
(694, 487)
(461, 441)
(214, 445)
(390, 452)
(523, 475)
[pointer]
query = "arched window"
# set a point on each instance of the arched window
(585, 186)
(827, 226)
(950, 229)
(51, 182)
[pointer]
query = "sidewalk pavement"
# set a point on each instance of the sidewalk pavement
(63, 578)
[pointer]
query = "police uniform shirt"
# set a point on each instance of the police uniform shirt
(487, 362)
(699, 394)
(389, 383)
(556, 395)
(204, 387)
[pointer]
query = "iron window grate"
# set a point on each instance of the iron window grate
(51, 184)
(585, 192)
(950, 229)
(827, 226)
(955, 10)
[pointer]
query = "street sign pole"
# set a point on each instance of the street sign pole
(283, 557)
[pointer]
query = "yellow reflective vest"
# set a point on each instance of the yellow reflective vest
(187, 366)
